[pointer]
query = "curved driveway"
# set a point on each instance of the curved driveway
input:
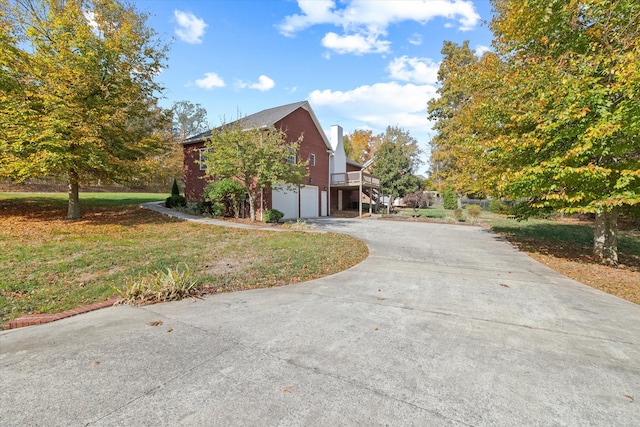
(441, 325)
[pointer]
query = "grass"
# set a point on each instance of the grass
(50, 264)
(565, 245)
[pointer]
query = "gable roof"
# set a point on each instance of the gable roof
(264, 119)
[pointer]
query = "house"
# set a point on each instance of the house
(332, 176)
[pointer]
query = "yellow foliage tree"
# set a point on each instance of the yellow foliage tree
(78, 96)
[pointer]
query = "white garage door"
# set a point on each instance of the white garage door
(309, 201)
(286, 201)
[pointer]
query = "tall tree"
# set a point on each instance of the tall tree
(576, 145)
(448, 162)
(361, 145)
(257, 158)
(188, 119)
(552, 116)
(78, 93)
(396, 161)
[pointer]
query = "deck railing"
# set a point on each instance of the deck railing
(355, 178)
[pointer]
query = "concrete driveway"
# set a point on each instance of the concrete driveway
(441, 325)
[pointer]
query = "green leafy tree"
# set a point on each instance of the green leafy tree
(256, 158)
(396, 161)
(77, 91)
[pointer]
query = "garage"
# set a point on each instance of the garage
(286, 201)
(309, 201)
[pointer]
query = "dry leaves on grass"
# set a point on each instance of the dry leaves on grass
(621, 282)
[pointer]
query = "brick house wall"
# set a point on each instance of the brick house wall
(297, 123)
(194, 181)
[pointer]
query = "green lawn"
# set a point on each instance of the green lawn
(50, 264)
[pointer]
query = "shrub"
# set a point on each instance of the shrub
(176, 201)
(473, 211)
(496, 206)
(218, 209)
(458, 214)
(227, 193)
(158, 287)
(450, 199)
(175, 191)
(272, 215)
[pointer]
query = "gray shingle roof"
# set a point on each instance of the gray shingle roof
(260, 119)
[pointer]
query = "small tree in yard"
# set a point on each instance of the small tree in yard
(175, 200)
(175, 191)
(397, 158)
(450, 199)
(256, 158)
(416, 201)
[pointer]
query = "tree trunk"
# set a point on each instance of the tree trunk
(605, 238)
(252, 207)
(73, 211)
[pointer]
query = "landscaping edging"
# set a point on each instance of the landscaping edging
(39, 319)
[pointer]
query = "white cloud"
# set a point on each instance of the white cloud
(415, 39)
(416, 70)
(264, 84)
(380, 105)
(190, 28)
(355, 43)
(210, 81)
(313, 12)
(481, 50)
(363, 20)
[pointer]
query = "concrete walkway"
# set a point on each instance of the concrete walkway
(441, 325)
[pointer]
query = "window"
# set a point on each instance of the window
(312, 159)
(292, 158)
(203, 158)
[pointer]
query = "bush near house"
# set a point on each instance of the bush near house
(226, 197)
(272, 215)
(175, 200)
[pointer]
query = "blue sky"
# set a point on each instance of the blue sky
(361, 64)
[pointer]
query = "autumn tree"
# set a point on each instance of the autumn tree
(578, 139)
(551, 117)
(361, 145)
(396, 161)
(78, 96)
(449, 164)
(257, 158)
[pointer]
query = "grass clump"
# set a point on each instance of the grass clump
(172, 285)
